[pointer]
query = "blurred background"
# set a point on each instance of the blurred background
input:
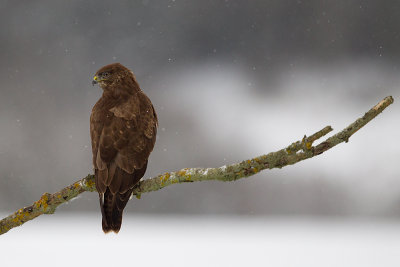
(230, 80)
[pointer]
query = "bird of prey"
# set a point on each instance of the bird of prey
(123, 127)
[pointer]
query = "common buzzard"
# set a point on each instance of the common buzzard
(123, 127)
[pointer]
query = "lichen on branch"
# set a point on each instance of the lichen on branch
(297, 151)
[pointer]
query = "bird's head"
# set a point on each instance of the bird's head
(110, 74)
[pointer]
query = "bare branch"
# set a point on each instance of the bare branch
(292, 154)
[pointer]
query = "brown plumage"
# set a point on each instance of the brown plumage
(123, 127)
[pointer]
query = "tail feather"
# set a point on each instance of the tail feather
(116, 196)
(112, 208)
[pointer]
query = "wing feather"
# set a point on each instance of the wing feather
(122, 138)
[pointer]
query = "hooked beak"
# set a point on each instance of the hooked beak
(95, 80)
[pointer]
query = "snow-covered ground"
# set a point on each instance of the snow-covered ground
(77, 240)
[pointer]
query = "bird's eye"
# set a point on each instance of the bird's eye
(104, 75)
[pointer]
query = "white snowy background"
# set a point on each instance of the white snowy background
(230, 80)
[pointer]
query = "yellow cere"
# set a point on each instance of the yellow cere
(95, 78)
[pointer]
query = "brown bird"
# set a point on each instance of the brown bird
(123, 128)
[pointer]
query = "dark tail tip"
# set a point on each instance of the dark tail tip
(116, 230)
(106, 228)
(113, 226)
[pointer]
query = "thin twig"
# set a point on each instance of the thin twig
(292, 154)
